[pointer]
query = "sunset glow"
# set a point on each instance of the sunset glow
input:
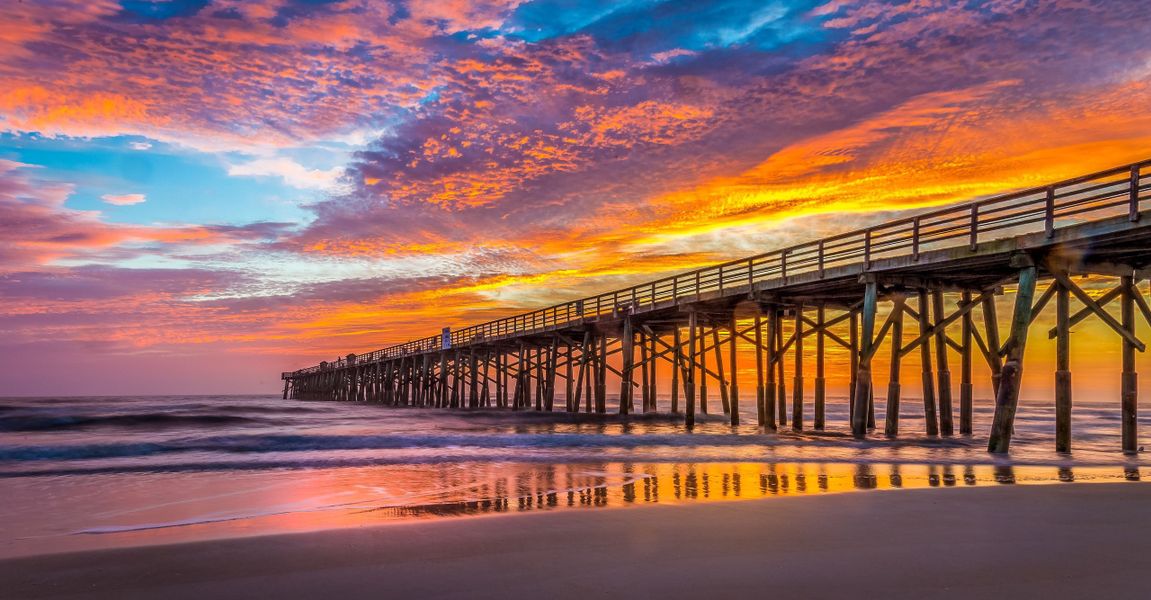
(196, 195)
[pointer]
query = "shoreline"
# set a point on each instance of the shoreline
(1017, 541)
(178, 508)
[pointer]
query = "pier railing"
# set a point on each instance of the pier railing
(1099, 195)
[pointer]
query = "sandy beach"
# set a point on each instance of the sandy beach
(1047, 541)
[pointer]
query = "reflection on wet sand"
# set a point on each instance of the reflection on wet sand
(625, 484)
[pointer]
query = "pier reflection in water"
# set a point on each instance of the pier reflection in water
(575, 486)
(191, 505)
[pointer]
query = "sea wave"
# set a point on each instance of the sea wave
(48, 422)
(242, 444)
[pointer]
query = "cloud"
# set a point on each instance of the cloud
(140, 145)
(291, 172)
(123, 199)
(520, 154)
(38, 230)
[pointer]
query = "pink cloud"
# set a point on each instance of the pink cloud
(123, 199)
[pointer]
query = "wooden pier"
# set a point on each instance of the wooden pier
(924, 283)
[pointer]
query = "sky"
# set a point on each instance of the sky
(196, 195)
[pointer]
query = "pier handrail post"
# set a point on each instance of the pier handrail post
(915, 239)
(821, 267)
(1049, 213)
(974, 227)
(1133, 209)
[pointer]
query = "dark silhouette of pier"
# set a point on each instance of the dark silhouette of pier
(930, 274)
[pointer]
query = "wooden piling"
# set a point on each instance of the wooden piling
(820, 417)
(1130, 382)
(601, 376)
(689, 373)
(863, 371)
(676, 365)
(966, 388)
(930, 418)
(721, 378)
(769, 356)
(1062, 369)
(781, 380)
(627, 343)
(942, 373)
(645, 374)
(797, 379)
(653, 376)
(733, 393)
(991, 334)
(701, 357)
(569, 384)
(1007, 398)
(891, 424)
(853, 360)
(759, 396)
(550, 374)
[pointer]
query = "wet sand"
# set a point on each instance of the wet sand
(1047, 541)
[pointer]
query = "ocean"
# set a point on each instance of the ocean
(96, 472)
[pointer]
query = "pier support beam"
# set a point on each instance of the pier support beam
(891, 426)
(1130, 384)
(853, 354)
(689, 372)
(863, 371)
(966, 388)
(1007, 397)
(943, 374)
(676, 367)
(719, 370)
(820, 417)
(601, 376)
(797, 393)
(1062, 369)
(701, 357)
(733, 393)
(627, 343)
(781, 381)
(991, 329)
(759, 380)
(930, 417)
